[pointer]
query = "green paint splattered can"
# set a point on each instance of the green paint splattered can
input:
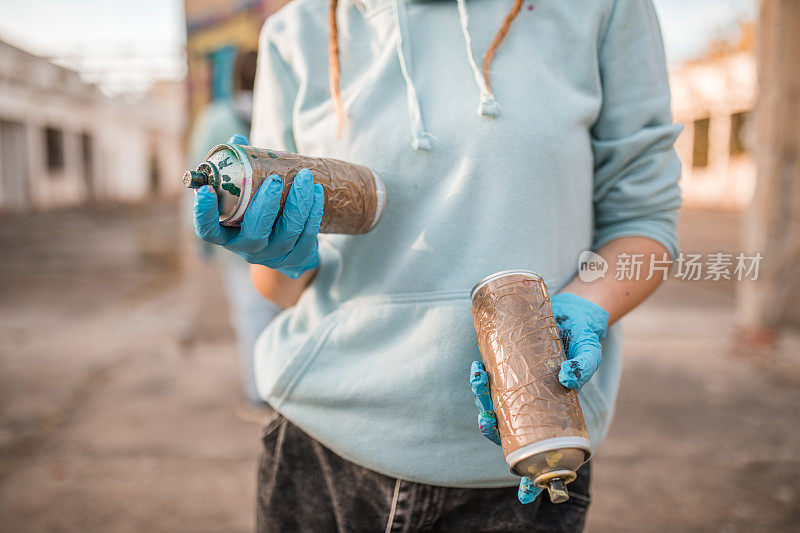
(354, 196)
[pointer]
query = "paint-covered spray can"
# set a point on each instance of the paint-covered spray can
(354, 196)
(540, 421)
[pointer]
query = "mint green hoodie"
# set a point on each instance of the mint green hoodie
(573, 149)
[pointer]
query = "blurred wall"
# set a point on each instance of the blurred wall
(772, 226)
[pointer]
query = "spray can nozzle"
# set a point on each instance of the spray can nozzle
(558, 492)
(194, 180)
(206, 174)
(555, 482)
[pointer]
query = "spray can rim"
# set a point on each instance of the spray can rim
(555, 443)
(502, 274)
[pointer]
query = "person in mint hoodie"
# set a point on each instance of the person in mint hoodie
(511, 134)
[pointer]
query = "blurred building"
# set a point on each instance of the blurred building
(63, 143)
(713, 97)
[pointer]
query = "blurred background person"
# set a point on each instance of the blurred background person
(229, 113)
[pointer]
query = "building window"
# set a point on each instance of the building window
(155, 179)
(700, 148)
(740, 123)
(86, 158)
(54, 144)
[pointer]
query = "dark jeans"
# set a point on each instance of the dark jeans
(303, 486)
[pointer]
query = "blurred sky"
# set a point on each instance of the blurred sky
(146, 37)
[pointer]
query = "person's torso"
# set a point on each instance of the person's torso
(384, 338)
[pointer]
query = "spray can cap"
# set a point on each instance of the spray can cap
(206, 174)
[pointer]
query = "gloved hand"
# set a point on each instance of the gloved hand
(581, 325)
(487, 423)
(288, 244)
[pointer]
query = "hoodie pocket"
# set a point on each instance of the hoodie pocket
(350, 341)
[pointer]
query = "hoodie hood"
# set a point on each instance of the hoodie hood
(421, 139)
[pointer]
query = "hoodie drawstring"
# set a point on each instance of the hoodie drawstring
(488, 106)
(421, 139)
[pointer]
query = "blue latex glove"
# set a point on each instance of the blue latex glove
(581, 325)
(287, 243)
(487, 423)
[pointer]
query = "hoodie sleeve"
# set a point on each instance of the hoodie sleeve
(273, 97)
(636, 169)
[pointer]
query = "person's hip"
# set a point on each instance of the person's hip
(303, 486)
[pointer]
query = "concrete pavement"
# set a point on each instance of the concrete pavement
(107, 423)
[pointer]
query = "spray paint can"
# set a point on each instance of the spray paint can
(541, 424)
(354, 196)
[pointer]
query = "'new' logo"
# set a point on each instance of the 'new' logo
(591, 267)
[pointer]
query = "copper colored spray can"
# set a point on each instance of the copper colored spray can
(541, 424)
(354, 196)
